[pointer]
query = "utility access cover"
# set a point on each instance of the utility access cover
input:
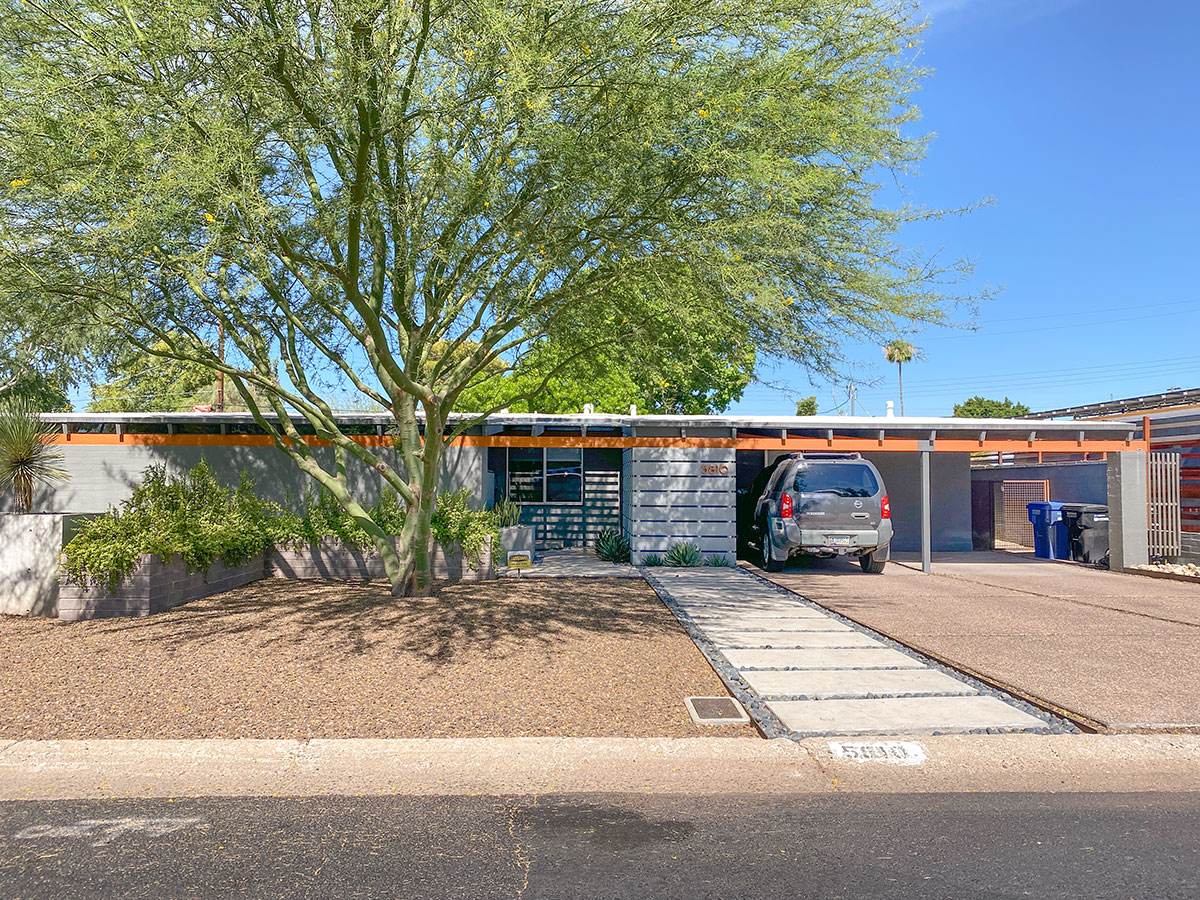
(716, 711)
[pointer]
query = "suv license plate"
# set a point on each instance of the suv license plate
(839, 540)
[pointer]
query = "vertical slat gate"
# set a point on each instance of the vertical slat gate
(1165, 513)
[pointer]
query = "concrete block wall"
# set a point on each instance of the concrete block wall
(1190, 547)
(681, 494)
(332, 559)
(154, 587)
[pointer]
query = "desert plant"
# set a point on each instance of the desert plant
(27, 458)
(683, 554)
(192, 516)
(454, 522)
(612, 546)
(507, 512)
(652, 559)
(716, 561)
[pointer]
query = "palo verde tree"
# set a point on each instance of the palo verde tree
(344, 186)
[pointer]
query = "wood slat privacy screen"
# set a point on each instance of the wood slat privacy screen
(1164, 512)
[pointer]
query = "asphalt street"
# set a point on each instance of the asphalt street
(605, 845)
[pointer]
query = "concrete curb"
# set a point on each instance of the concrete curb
(59, 770)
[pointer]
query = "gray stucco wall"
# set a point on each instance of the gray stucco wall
(29, 549)
(681, 494)
(105, 475)
(1070, 482)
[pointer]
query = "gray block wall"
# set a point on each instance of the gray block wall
(1190, 547)
(105, 475)
(681, 494)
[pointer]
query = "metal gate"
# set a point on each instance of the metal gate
(1165, 521)
(1012, 523)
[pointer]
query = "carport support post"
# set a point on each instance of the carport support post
(926, 513)
(1128, 520)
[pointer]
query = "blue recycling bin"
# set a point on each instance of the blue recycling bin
(1049, 530)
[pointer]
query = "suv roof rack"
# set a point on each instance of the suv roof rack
(830, 455)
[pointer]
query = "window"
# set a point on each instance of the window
(842, 479)
(545, 475)
(564, 475)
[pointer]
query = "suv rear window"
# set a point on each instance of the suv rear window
(843, 479)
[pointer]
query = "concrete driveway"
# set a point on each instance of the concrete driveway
(1116, 652)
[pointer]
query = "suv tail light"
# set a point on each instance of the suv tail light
(785, 506)
(887, 507)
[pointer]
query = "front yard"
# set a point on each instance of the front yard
(306, 659)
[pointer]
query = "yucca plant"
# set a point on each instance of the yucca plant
(507, 512)
(27, 457)
(683, 554)
(612, 546)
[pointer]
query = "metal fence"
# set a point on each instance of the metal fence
(1012, 523)
(1164, 513)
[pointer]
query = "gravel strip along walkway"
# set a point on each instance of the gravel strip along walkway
(310, 659)
(802, 671)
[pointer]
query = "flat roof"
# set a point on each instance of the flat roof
(910, 426)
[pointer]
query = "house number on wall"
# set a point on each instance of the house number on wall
(714, 469)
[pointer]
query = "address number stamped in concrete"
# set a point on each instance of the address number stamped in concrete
(105, 831)
(896, 753)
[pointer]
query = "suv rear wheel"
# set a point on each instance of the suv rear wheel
(871, 564)
(768, 561)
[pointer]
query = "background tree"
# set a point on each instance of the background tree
(806, 407)
(899, 351)
(345, 185)
(145, 382)
(981, 408)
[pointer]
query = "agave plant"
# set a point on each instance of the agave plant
(27, 457)
(716, 561)
(612, 546)
(652, 559)
(683, 554)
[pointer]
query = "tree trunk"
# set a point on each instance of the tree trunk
(414, 575)
(900, 376)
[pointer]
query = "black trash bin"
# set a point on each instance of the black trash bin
(1087, 531)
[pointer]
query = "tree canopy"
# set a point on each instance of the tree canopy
(806, 407)
(344, 186)
(144, 382)
(982, 408)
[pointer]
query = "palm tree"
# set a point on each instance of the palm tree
(26, 455)
(899, 351)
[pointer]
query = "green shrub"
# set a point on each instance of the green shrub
(454, 522)
(683, 554)
(652, 559)
(323, 517)
(716, 561)
(192, 516)
(612, 546)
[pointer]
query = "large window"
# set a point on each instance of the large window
(545, 475)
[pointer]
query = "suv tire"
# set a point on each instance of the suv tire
(769, 563)
(870, 564)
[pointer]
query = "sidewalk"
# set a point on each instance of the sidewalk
(1116, 652)
(58, 770)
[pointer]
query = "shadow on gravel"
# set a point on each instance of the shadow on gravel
(348, 618)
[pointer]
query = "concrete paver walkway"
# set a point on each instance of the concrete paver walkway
(821, 676)
(1119, 652)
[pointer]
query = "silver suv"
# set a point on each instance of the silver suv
(821, 504)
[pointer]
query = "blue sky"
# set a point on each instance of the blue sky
(1081, 120)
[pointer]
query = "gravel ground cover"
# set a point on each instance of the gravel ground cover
(288, 659)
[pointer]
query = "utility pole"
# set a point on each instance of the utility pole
(853, 394)
(221, 375)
